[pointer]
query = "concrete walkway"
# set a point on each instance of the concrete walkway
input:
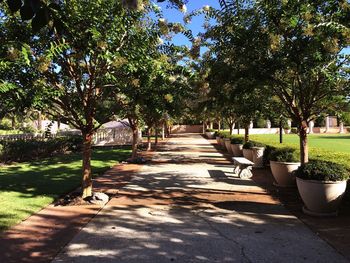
(187, 206)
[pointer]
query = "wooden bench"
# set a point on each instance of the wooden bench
(242, 167)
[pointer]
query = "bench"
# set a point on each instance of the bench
(242, 167)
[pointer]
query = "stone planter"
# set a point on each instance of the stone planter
(210, 135)
(282, 173)
(258, 157)
(227, 144)
(222, 143)
(248, 154)
(237, 150)
(217, 139)
(287, 131)
(321, 198)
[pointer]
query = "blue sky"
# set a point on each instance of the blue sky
(174, 15)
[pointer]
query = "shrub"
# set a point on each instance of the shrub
(322, 171)
(294, 130)
(21, 151)
(283, 155)
(216, 134)
(224, 134)
(237, 140)
(210, 130)
(248, 145)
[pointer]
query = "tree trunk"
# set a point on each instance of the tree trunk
(238, 128)
(219, 125)
(246, 133)
(13, 122)
(231, 128)
(87, 175)
(304, 148)
(163, 132)
(156, 135)
(135, 138)
(149, 143)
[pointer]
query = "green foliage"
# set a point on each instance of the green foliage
(224, 134)
(21, 151)
(283, 155)
(237, 140)
(248, 145)
(322, 171)
(210, 130)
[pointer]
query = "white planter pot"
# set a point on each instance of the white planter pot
(282, 173)
(258, 157)
(237, 150)
(248, 154)
(321, 198)
(228, 145)
(210, 135)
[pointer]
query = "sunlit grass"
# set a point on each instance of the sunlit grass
(328, 147)
(25, 188)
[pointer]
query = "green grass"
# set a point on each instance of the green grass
(328, 147)
(7, 132)
(25, 188)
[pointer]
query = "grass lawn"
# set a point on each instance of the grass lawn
(25, 188)
(7, 132)
(329, 147)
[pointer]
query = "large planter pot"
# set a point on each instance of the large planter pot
(321, 198)
(210, 135)
(258, 157)
(218, 139)
(237, 150)
(225, 143)
(248, 154)
(283, 173)
(222, 143)
(228, 145)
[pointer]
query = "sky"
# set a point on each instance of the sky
(174, 15)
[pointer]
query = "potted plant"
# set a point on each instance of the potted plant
(209, 133)
(321, 186)
(258, 155)
(283, 162)
(237, 146)
(286, 128)
(248, 151)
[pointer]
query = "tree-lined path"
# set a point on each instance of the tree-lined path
(186, 205)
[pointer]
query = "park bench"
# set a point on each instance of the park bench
(242, 167)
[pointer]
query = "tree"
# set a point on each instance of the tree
(306, 69)
(16, 88)
(49, 13)
(78, 66)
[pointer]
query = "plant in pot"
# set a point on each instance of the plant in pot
(237, 146)
(217, 137)
(286, 128)
(321, 186)
(283, 162)
(209, 133)
(248, 150)
(258, 154)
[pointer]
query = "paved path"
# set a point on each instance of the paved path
(187, 206)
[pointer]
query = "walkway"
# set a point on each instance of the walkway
(187, 206)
